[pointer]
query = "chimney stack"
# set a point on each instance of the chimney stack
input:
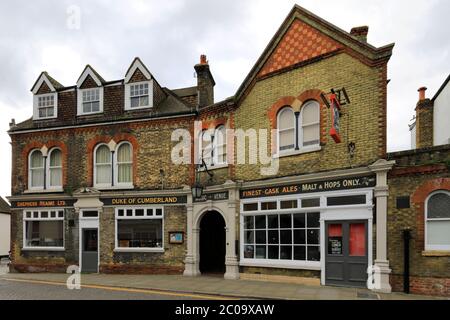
(360, 33)
(205, 83)
(422, 93)
(424, 120)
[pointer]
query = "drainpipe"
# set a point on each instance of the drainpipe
(406, 240)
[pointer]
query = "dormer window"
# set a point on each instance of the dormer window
(91, 100)
(138, 87)
(45, 97)
(139, 95)
(46, 105)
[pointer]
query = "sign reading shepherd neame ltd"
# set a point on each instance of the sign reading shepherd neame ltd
(42, 204)
(122, 201)
(310, 187)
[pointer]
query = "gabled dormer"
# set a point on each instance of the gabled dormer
(45, 97)
(138, 87)
(89, 92)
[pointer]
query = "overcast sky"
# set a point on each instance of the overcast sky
(170, 35)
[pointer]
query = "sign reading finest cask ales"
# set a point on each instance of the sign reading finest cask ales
(42, 204)
(310, 187)
(152, 200)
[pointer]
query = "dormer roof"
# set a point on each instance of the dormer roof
(90, 72)
(51, 83)
(137, 64)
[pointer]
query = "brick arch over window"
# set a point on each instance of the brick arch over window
(418, 200)
(296, 103)
(50, 145)
(118, 138)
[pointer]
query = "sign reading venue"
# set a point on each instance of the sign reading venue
(310, 187)
(123, 201)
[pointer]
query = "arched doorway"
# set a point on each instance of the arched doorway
(212, 243)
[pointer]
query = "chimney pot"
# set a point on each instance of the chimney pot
(422, 93)
(203, 59)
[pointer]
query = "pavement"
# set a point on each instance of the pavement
(205, 287)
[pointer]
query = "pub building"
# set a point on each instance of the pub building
(93, 183)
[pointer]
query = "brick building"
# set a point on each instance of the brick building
(94, 184)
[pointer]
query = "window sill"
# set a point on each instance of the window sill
(89, 114)
(106, 188)
(55, 249)
(432, 253)
(280, 264)
(138, 108)
(42, 119)
(215, 167)
(142, 250)
(43, 191)
(290, 153)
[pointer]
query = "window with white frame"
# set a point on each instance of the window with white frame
(113, 168)
(140, 228)
(43, 229)
(282, 237)
(438, 221)
(298, 131)
(213, 146)
(45, 172)
(89, 101)
(139, 96)
(310, 123)
(286, 129)
(45, 106)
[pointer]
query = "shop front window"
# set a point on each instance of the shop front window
(139, 228)
(283, 237)
(44, 229)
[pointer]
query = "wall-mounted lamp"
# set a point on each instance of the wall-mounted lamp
(197, 188)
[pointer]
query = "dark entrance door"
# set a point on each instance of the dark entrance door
(212, 243)
(346, 253)
(89, 251)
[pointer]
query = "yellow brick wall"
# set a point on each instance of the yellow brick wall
(360, 123)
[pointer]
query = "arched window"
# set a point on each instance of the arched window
(37, 170)
(55, 169)
(124, 164)
(220, 146)
(310, 124)
(438, 221)
(206, 147)
(103, 166)
(286, 129)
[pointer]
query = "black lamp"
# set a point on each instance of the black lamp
(197, 188)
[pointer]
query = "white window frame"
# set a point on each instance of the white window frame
(128, 95)
(116, 167)
(47, 171)
(101, 185)
(80, 111)
(215, 147)
(303, 125)
(36, 106)
(45, 187)
(429, 247)
(284, 109)
(39, 218)
(134, 217)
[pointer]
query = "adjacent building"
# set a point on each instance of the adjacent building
(5, 227)
(286, 178)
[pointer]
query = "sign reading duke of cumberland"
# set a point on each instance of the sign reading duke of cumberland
(121, 201)
(310, 187)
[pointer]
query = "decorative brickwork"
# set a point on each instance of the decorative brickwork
(88, 83)
(300, 43)
(44, 88)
